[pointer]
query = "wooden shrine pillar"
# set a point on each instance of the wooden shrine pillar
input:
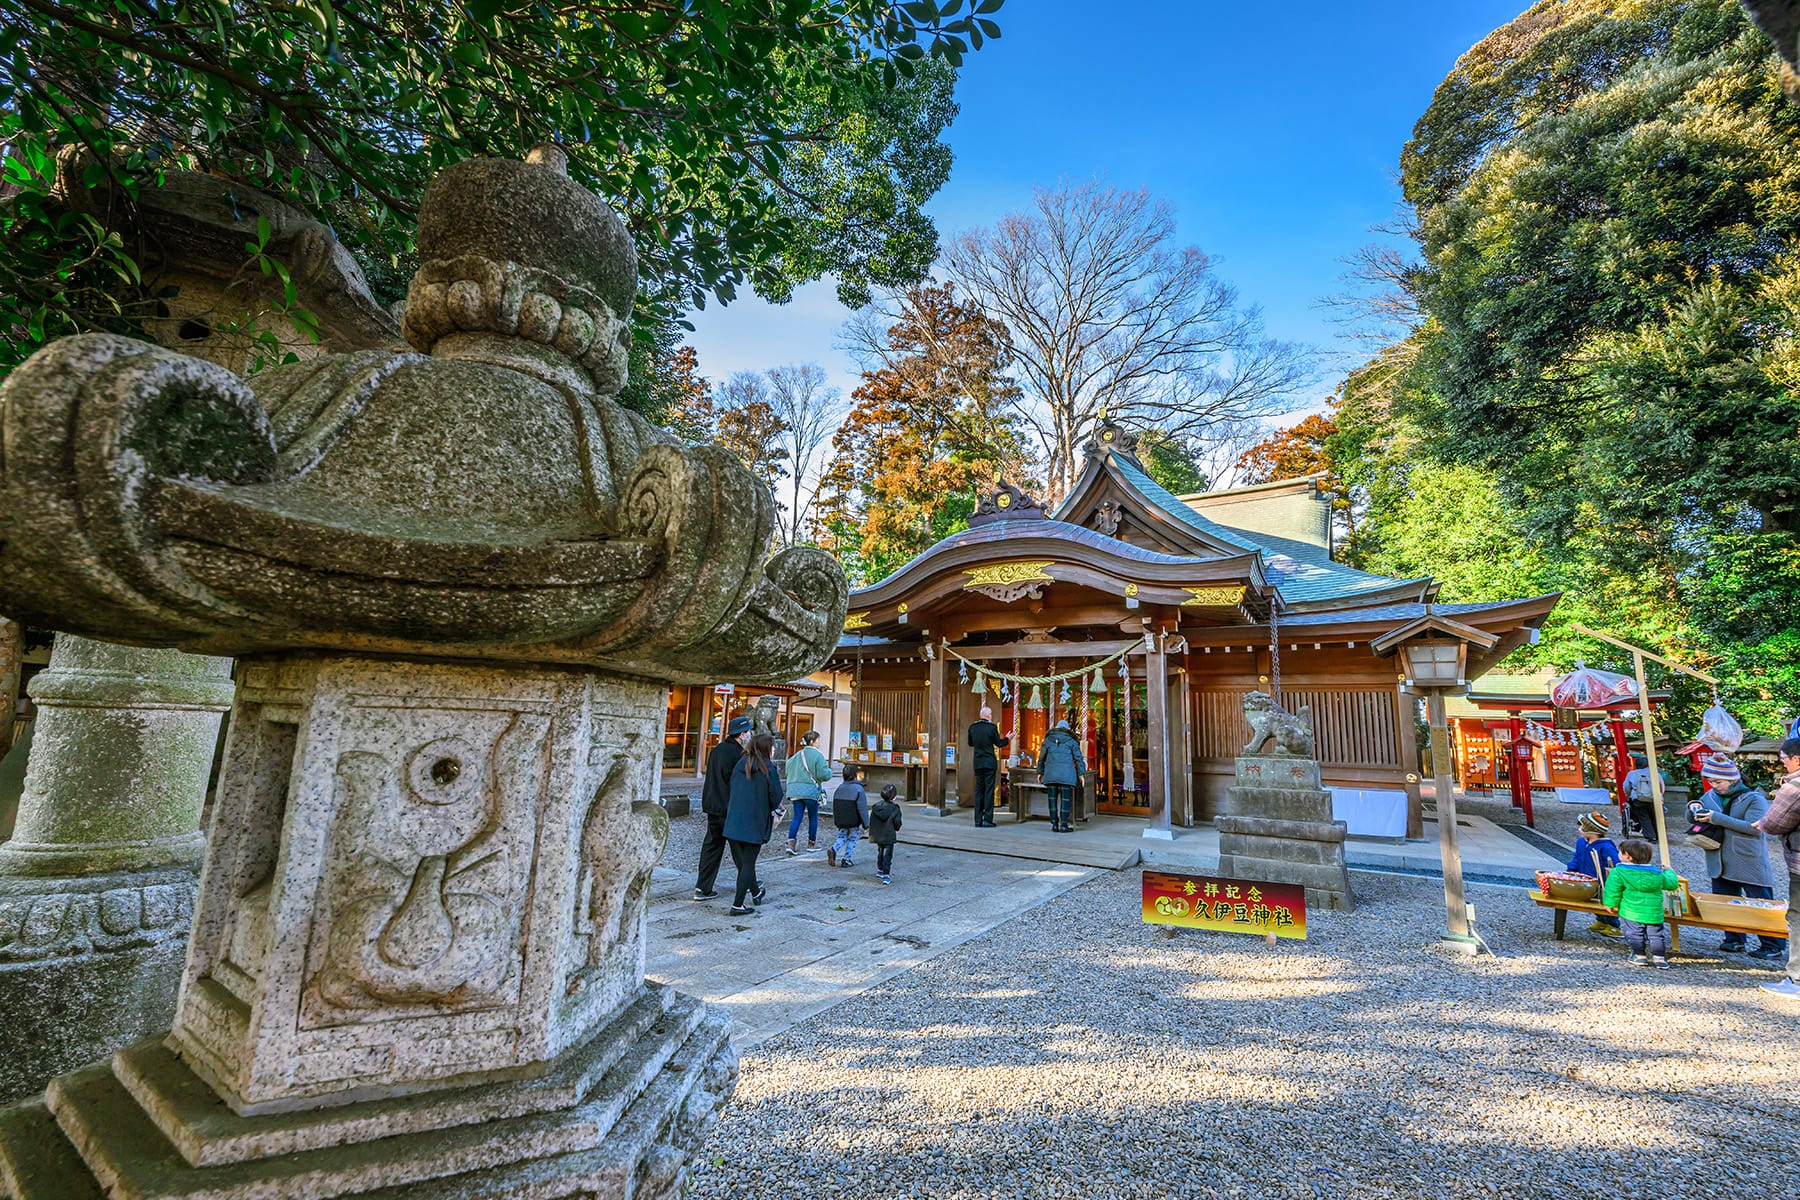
(1406, 747)
(937, 693)
(963, 707)
(1181, 751)
(1156, 695)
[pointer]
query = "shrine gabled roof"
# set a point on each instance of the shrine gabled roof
(1060, 540)
(1303, 574)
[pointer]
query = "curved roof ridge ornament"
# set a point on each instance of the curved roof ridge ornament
(1007, 502)
(1111, 436)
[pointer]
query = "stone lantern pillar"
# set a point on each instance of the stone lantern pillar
(458, 583)
(97, 883)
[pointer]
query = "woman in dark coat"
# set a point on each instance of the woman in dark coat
(750, 818)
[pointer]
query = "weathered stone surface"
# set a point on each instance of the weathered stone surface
(1280, 804)
(417, 958)
(1280, 830)
(1312, 831)
(97, 884)
(424, 874)
(487, 501)
(1278, 771)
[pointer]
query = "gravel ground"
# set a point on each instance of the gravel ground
(1075, 1052)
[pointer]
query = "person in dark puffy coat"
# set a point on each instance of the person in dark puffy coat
(884, 831)
(1060, 765)
(715, 797)
(750, 818)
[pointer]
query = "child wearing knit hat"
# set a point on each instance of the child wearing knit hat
(1596, 855)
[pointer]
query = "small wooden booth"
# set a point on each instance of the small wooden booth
(1144, 619)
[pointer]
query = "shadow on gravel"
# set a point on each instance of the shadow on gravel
(1077, 1052)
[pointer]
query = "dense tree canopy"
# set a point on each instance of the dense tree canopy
(1599, 394)
(768, 141)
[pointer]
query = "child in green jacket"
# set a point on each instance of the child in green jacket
(1635, 890)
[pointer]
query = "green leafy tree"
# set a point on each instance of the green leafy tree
(767, 141)
(1597, 391)
(1171, 461)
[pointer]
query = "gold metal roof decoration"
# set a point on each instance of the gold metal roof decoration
(854, 621)
(1006, 572)
(1221, 596)
(1009, 581)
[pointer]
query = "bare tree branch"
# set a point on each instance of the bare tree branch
(810, 410)
(1108, 316)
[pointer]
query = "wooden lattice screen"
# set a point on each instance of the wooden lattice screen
(1352, 728)
(899, 711)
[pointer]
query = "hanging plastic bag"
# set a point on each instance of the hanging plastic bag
(1720, 730)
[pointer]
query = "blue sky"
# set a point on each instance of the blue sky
(1275, 131)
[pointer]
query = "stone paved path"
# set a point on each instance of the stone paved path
(827, 934)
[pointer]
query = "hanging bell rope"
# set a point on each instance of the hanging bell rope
(1129, 779)
(1054, 677)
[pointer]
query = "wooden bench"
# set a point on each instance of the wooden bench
(1706, 911)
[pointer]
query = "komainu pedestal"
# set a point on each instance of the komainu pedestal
(1281, 829)
(458, 583)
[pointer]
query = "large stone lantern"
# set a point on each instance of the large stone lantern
(459, 582)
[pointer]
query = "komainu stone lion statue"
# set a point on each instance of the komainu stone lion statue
(1293, 732)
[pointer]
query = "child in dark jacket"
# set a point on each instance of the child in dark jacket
(850, 813)
(1596, 855)
(884, 831)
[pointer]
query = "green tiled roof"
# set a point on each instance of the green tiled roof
(1166, 500)
(1304, 572)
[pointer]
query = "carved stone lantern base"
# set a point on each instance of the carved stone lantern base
(617, 1117)
(417, 960)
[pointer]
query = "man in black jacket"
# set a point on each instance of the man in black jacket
(715, 798)
(984, 739)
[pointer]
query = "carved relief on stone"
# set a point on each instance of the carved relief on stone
(429, 864)
(67, 922)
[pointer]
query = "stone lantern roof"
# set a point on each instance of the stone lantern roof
(484, 497)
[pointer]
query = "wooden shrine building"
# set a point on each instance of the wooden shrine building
(1205, 597)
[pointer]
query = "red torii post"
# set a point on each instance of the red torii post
(1518, 771)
